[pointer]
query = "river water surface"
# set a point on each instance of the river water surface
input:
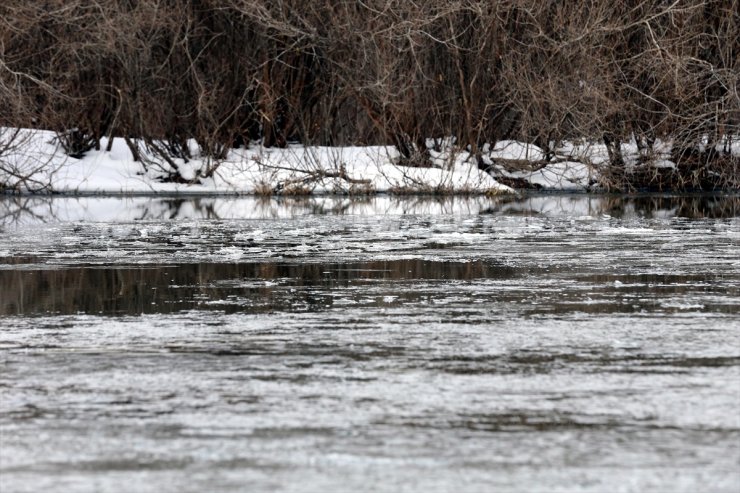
(555, 343)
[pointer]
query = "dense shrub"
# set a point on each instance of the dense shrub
(227, 73)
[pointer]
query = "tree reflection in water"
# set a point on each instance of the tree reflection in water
(253, 287)
(22, 211)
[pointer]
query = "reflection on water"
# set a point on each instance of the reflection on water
(550, 343)
(695, 207)
(266, 287)
(248, 287)
(25, 210)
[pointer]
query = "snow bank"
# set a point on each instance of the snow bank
(37, 163)
(295, 170)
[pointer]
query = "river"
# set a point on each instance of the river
(546, 343)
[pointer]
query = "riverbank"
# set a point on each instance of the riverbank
(34, 162)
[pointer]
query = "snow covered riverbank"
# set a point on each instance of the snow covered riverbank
(37, 163)
(33, 161)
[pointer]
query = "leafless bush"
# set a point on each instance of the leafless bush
(21, 169)
(162, 74)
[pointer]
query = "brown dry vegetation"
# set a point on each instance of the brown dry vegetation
(227, 73)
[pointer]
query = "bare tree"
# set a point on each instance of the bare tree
(177, 77)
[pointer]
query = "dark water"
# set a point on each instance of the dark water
(556, 343)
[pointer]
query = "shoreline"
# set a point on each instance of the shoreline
(37, 165)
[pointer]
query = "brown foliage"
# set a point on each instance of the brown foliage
(336, 72)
